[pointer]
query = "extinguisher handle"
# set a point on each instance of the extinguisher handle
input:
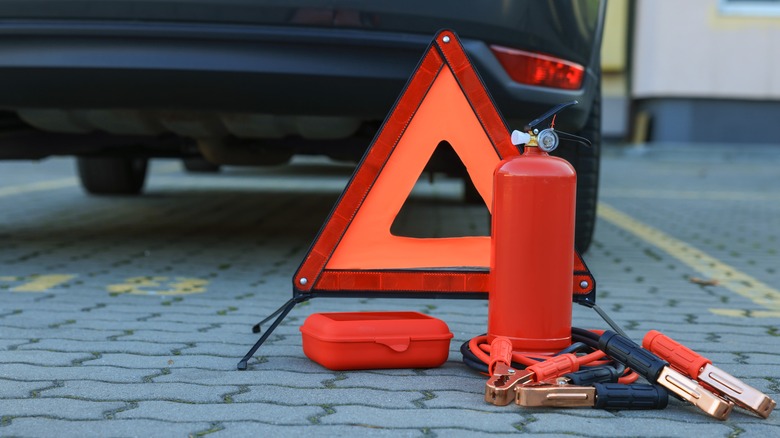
(565, 136)
(551, 112)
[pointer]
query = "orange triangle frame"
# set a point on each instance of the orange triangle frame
(355, 251)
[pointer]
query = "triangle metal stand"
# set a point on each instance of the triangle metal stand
(280, 314)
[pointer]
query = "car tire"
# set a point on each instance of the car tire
(199, 165)
(586, 162)
(112, 175)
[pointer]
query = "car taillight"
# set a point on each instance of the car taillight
(537, 69)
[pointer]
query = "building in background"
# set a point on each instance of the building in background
(692, 71)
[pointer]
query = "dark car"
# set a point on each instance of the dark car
(252, 82)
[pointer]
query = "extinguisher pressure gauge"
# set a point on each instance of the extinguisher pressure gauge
(547, 139)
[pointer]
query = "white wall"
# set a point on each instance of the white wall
(688, 48)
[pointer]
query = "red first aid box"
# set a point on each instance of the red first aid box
(374, 340)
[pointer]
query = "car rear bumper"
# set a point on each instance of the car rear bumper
(238, 68)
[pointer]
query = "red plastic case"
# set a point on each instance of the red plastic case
(374, 340)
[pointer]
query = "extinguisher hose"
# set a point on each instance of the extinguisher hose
(476, 354)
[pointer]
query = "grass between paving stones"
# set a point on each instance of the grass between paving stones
(124, 333)
(631, 325)
(211, 326)
(331, 383)
(426, 431)
(171, 301)
(426, 396)
(774, 384)
(736, 431)
(741, 358)
(30, 342)
(80, 362)
(215, 427)
(245, 296)
(147, 318)
(326, 410)
(35, 393)
(111, 414)
(60, 324)
(95, 307)
(150, 378)
(521, 425)
(177, 351)
(228, 398)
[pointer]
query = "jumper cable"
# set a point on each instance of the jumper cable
(699, 368)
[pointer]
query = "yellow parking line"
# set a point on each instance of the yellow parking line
(38, 186)
(748, 313)
(43, 283)
(727, 276)
(689, 194)
(152, 285)
(72, 181)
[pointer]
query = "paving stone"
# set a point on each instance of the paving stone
(322, 430)
(58, 408)
(165, 365)
(42, 357)
(460, 400)
(47, 373)
(759, 430)
(179, 392)
(190, 412)
(37, 318)
(646, 427)
(752, 371)
(423, 383)
(6, 343)
(105, 428)
(148, 324)
(333, 396)
(162, 361)
(765, 384)
(425, 418)
(118, 346)
(249, 377)
(18, 389)
(178, 337)
(238, 350)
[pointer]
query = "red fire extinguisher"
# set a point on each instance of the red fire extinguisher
(532, 245)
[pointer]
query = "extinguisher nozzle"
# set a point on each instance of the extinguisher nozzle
(520, 137)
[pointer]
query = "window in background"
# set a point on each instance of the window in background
(755, 8)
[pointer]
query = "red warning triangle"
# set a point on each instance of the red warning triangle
(444, 100)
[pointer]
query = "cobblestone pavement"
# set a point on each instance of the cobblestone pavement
(126, 316)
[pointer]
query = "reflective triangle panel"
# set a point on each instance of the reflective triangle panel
(444, 100)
